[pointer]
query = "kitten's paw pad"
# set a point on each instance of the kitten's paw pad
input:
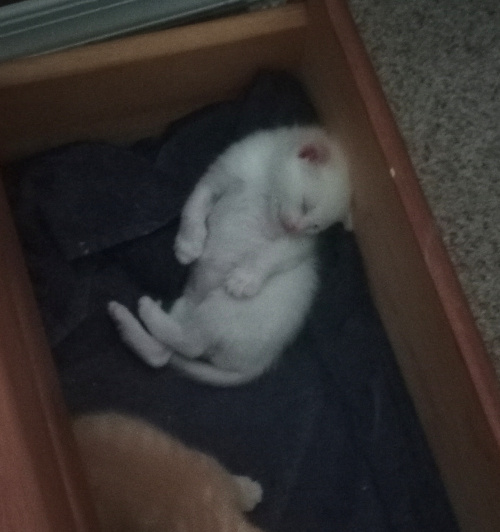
(187, 250)
(242, 283)
(250, 492)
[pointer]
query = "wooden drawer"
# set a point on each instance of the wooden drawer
(130, 88)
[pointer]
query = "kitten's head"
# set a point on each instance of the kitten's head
(310, 188)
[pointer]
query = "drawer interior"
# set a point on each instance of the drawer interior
(130, 88)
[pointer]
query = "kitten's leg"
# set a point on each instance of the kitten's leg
(190, 239)
(170, 331)
(179, 308)
(249, 491)
(137, 338)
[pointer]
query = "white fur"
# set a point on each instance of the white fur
(249, 229)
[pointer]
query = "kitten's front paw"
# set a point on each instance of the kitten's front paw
(187, 250)
(243, 283)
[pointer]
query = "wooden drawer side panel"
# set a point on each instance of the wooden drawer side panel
(41, 482)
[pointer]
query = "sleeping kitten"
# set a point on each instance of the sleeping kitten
(249, 228)
(143, 480)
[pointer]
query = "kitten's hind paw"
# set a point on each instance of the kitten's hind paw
(125, 321)
(250, 492)
(118, 313)
(243, 283)
(136, 337)
(147, 309)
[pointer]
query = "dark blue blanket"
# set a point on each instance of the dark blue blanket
(330, 432)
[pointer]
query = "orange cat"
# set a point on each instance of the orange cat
(143, 480)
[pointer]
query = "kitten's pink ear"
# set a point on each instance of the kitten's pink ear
(315, 152)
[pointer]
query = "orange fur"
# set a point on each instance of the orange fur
(143, 480)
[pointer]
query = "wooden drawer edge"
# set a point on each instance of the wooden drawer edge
(153, 45)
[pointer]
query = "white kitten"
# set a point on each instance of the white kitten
(249, 229)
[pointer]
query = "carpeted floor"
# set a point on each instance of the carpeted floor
(439, 64)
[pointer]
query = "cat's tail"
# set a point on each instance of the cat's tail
(210, 374)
